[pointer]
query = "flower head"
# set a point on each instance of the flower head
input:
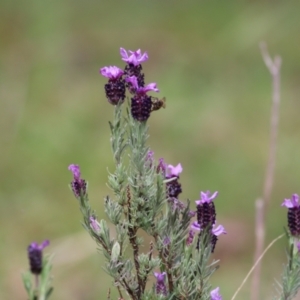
(115, 88)
(35, 255)
(141, 103)
(111, 72)
(133, 57)
(206, 212)
(293, 214)
(78, 184)
(215, 295)
(160, 285)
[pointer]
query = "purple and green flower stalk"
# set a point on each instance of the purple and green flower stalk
(145, 197)
(290, 278)
(35, 255)
(39, 273)
(293, 214)
(160, 286)
(115, 88)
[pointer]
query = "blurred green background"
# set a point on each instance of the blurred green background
(205, 59)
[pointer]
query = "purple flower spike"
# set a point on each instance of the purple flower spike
(162, 166)
(35, 255)
(293, 214)
(134, 57)
(115, 88)
(206, 197)
(190, 237)
(95, 225)
(215, 295)
(206, 212)
(78, 184)
(160, 285)
(290, 203)
(141, 103)
(174, 171)
(111, 72)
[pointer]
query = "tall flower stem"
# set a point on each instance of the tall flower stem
(262, 204)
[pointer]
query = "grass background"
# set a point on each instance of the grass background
(204, 56)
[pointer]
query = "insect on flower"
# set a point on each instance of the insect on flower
(158, 103)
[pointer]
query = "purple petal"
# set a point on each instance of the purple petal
(206, 197)
(44, 244)
(195, 226)
(139, 56)
(111, 72)
(215, 295)
(143, 57)
(290, 203)
(123, 53)
(150, 87)
(134, 57)
(160, 276)
(33, 245)
(133, 81)
(287, 203)
(219, 230)
(174, 171)
(75, 169)
(295, 200)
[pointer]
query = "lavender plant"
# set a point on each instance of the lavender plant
(146, 200)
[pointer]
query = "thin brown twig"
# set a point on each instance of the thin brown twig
(120, 293)
(256, 263)
(262, 204)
